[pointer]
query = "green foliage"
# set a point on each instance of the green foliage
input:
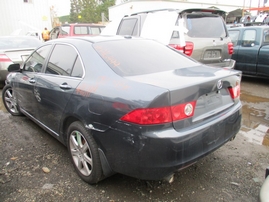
(89, 11)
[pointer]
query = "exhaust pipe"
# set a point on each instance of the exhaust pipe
(170, 178)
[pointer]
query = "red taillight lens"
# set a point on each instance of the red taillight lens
(183, 111)
(160, 115)
(235, 91)
(187, 49)
(230, 48)
(4, 58)
(149, 116)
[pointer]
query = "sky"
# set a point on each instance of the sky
(62, 7)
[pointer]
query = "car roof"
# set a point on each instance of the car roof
(249, 27)
(81, 24)
(189, 10)
(92, 39)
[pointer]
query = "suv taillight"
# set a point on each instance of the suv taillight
(187, 49)
(230, 48)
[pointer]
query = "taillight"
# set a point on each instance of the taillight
(230, 48)
(4, 58)
(160, 115)
(187, 49)
(235, 91)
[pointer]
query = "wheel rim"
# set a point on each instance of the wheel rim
(10, 101)
(81, 153)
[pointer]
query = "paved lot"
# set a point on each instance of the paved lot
(235, 172)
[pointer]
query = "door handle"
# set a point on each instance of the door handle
(31, 80)
(65, 86)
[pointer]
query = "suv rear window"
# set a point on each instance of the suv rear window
(205, 26)
(127, 62)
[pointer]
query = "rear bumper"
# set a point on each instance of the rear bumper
(264, 192)
(156, 153)
(228, 63)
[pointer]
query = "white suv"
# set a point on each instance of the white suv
(199, 33)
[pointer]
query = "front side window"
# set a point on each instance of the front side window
(36, 61)
(249, 37)
(60, 65)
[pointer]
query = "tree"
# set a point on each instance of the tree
(89, 11)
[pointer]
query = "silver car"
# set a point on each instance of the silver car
(15, 49)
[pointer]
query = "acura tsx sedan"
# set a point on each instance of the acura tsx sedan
(126, 105)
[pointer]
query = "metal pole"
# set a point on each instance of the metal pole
(243, 8)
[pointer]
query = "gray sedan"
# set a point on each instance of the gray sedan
(126, 105)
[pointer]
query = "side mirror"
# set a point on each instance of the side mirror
(14, 68)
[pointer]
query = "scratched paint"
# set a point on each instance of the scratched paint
(255, 121)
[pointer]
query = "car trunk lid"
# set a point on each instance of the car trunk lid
(208, 88)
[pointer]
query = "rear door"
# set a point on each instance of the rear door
(55, 86)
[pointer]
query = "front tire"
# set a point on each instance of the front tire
(84, 154)
(9, 101)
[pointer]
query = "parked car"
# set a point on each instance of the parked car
(126, 105)
(76, 29)
(251, 50)
(15, 49)
(36, 34)
(186, 30)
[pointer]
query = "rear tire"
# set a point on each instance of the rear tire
(84, 154)
(10, 101)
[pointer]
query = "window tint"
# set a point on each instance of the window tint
(61, 64)
(80, 30)
(198, 26)
(65, 30)
(127, 62)
(128, 27)
(78, 69)
(234, 35)
(95, 30)
(37, 59)
(248, 39)
(266, 36)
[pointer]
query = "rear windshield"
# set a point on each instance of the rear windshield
(144, 57)
(205, 26)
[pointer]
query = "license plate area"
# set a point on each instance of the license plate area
(212, 99)
(212, 54)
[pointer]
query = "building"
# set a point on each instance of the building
(20, 16)
(133, 6)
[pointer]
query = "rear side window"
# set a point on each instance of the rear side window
(80, 30)
(266, 36)
(145, 57)
(60, 65)
(205, 26)
(95, 30)
(128, 27)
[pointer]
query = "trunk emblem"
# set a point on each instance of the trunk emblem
(219, 84)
